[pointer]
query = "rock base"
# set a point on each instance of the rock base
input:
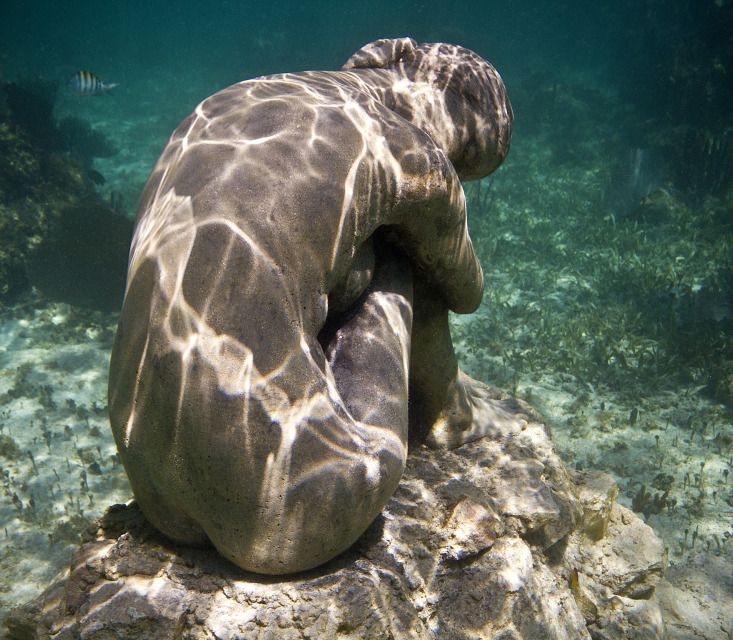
(495, 539)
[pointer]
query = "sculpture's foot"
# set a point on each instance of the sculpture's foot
(474, 410)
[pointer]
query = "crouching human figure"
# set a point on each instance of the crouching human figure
(285, 324)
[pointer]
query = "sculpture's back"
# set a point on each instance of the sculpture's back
(245, 412)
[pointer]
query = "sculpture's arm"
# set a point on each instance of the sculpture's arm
(431, 228)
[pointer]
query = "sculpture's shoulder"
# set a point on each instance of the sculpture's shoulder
(321, 138)
(305, 92)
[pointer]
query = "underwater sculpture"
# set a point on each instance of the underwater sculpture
(297, 249)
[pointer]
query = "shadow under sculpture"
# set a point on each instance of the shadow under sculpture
(298, 247)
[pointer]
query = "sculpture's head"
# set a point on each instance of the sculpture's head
(451, 93)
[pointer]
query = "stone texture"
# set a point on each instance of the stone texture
(698, 600)
(494, 539)
(613, 577)
(598, 493)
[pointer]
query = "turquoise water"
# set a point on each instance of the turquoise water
(606, 237)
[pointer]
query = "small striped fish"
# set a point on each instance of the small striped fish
(86, 83)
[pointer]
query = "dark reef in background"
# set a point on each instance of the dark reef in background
(79, 138)
(682, 55)
(680, 81)
(83, 258)
(57, 233)
(30, 105)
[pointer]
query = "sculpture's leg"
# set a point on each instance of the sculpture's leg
(447, 407)
(369, 352)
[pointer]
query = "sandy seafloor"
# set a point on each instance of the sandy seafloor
(62, 471)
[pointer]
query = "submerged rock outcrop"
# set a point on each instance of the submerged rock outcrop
(493, 539)
(58, 234)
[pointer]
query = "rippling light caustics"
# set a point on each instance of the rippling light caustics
(247, 414)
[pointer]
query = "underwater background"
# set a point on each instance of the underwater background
(606, 239)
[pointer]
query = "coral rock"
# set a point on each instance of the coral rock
(598, 492)
(488, 540)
